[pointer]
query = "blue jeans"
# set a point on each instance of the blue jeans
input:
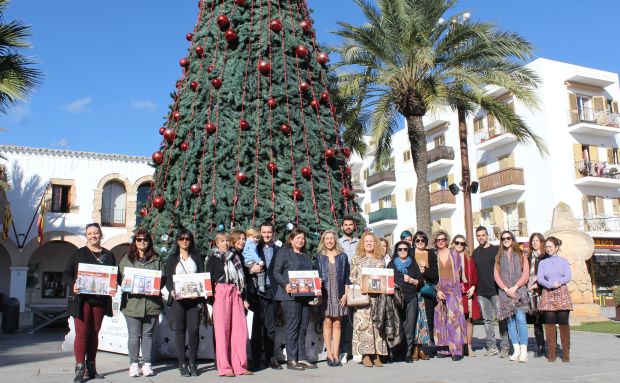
(489, 308)
(517, 328)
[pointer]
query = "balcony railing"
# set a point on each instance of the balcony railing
(382, 176)
(382, 215)
(602, 169)
(486, 134)
(440, 153)
(510, 176)
(594, 116)
(442, 196)
(600, 223)
(113, 217)
(358, 187)
(517, 228)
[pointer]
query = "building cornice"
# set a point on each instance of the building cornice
(71, 153)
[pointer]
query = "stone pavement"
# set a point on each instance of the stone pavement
(594, 358)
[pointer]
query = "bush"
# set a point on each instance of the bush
(616, 295)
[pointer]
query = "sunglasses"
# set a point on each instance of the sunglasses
(140, 240)
(506, 238)
(185, 239)
(440, 240)
(420, 240)
(459, 243)
(93, 225)
(403, 249)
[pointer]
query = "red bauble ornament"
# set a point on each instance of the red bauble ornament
(223, 22)
(244, 125)
(306, 171)
(347, 153)
(345, 192)
(143, 212)
(170, 135)
(306, 25)
(272, 103)
(200, 51)
(301, 51)
(241, 176)
(272, 167)
(176, 115)
(325, 96)
(314, 103)
(210, 127)
(193, 85)
(210, 68)
(189, 36)
(162, 130)
(217, 83)
(330, 153)
(347, 171)
(264, 67)
(195, 188)
(230, 35)
(332, 108)
(184, 146)
(297, 194)
(304, 86)
(159, 202)
(285, 128)
(322, 58)
(184, 63)
(240, 3)
(275, 25)
(179, 84)
(158, 157)
(213, 201)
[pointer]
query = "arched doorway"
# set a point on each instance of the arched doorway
(44, 284)
(119, 251)
(141, 198)
(114, 199)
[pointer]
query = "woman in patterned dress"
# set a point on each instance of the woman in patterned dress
(449, 317)
(427, 261)
(366, 339)
(334, 269)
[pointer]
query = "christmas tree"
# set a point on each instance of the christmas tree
(252, 134)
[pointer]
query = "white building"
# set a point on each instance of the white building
(78, 188)
(518, 188)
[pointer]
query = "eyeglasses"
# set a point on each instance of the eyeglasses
(420, 240)
(506, 238)
(93, 225)
(459, 243)
(403, 249)
(185, 239)
(140, 240)
(440, 240)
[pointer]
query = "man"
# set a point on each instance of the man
(264, 324)
(348, 241)
(484, 258)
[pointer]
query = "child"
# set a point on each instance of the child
(251, 258)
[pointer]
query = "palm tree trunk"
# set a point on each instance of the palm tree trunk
(465, 177)
(417, 142)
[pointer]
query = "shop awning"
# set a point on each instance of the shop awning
(607, 255)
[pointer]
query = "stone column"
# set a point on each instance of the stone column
(18, 285)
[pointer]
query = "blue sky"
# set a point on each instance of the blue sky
(110, 65)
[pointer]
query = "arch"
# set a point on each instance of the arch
(98, 195)
(6, 262)
(113, 204)
(12, 250)
(118, 244)
(140, 181)
(61, 236)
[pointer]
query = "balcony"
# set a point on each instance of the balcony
(518, 228)
(594, 122)
(113, 217)
(383, 218)
(382, 180)
(491, 138)
(502, 183)
(597, 173)
(442, 201)
(440, 158)
(358, 189)
(602, 224)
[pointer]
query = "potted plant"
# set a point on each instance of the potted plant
(616, 295)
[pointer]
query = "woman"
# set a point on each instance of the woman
(471, 307)
(184, 313)
(408, 277)
(87, 310)
(427, 261)
(141, 311)
(366, 339)
(449, 317)
(296, 309)
(555, 302)
(334, 270)
(511, 276)
(537, 254)
(385, 245)
(229, 322)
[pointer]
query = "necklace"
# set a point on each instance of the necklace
(94, 255)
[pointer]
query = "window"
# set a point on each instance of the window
(584, 108)
(407, 155)
(612, 156)
(440, 140)
(142, 197)
(113, 204)
(408, 194)
(60, 199)
(387, 202)
(511, 217)
(477, 124)
(52, 285)
(506, 161)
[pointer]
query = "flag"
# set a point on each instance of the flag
(8, 220)
(41, 222)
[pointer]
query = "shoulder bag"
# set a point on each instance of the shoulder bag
(355, 298)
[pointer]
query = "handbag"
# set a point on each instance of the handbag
(355, 298)
(428, 290)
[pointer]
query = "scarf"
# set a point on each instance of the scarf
(232, 267)
(402, 265)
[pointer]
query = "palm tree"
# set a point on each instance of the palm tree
(17, 77)
(407, 61)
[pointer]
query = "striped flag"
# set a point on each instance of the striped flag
(41, 222)
(8, 220)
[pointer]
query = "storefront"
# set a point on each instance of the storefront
(604, 268)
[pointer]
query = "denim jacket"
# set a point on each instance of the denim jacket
(342, 271)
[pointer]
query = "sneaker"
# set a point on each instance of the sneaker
(344, 358)
(134, 370)
(491, 351)
(147, 370)
(504, 353)
(357, 358)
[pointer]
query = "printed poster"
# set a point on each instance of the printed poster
(377, 281)
(141, 281)
(192, 285)
(306, 283)
(96, 279)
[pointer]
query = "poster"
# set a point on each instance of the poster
(192, 285)
(96, 279)
(141, 281)
(377, 281)
(305, 283)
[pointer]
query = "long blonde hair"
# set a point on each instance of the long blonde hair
(377, 253)
(465, 248)
(322, 249)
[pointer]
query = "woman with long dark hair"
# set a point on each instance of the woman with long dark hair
(141, 311)
(511, 275)
(426, 259)
(537, 254)
(184, 313)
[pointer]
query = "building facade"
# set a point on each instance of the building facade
(578, 119)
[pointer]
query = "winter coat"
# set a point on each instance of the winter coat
(386, 319)
(140, 305)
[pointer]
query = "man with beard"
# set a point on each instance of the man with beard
(349, 242)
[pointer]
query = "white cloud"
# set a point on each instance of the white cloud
(79, 106)
(62, 143)
(145, 105)
(19, 114)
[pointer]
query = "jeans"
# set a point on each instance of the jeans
(87, 333)
(185, 317)
(517, 328)
(489, 308)
(140, 331)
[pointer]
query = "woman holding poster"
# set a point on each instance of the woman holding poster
(87, 310)
(140, 307)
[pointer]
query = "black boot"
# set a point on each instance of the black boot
(91, 371)
(183, 369)
(540, 351)
(80, 371)
(193, 369)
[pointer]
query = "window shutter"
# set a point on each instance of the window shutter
(481, 169)
(381, 204)
(577, 152)
(593, 153)
(574, 111)
(446, 224)
(584, 206)
(490, 122)
(434, 186)
(614, 107)
(510, 161)
(476, 219)
(393, 198)
(600, 207)
(408, 194)
(367, 208)
(616, 206)
(599, 104)
(477, 124)
(450, 179)
(365, 174)
(498, 215)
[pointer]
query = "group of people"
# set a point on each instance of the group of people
(441, 287)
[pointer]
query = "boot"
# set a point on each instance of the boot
(193, 369)
(465, 349)
(423, 355)
(184, 370)
(80, 371)
(91, 371)
(540, 351)
(551, 342)
(516, 352)
(540, 343)
(416, 353)
(565, 340)
(523, 353)
(376, 360)
(366, 361)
